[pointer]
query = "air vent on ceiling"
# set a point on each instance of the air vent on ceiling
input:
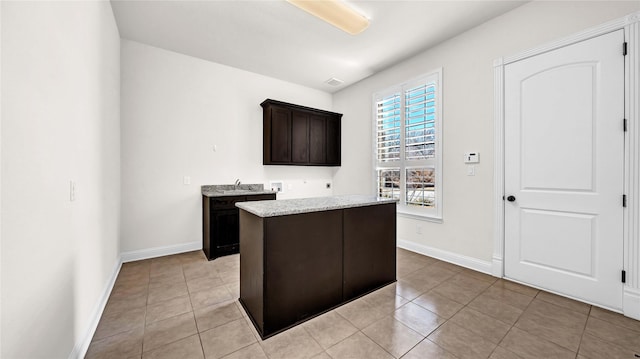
(334, 81)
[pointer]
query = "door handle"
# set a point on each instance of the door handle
(511, 199)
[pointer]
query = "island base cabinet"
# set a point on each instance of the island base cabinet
(369, 254)
(303, 271)
(252, 267)
(293, 270)
(297, 266)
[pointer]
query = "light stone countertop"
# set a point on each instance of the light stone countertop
(305, 205)
(221, 190)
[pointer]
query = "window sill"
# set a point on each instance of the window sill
(418, 216)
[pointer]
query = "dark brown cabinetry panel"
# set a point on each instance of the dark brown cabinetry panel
(369, 255)
(221, 223)
(333, 140)
(279, 135)
(298, 135)
(304, 259)
(295, 267)
(317, 139)
(252, 285)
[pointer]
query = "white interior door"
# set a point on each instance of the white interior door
(564, 168)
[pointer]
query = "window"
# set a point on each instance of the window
(408, 145)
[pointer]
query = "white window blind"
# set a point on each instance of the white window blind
(420, 118)
(388, 128)
(408, 145)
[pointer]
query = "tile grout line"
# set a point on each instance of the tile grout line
(514, 323)
(584, 329)
(146, 311)
(391, 316)
(446, 319)
(538, 296)
(608, 341)
(194, 313)
(312, 337)
(474, 298)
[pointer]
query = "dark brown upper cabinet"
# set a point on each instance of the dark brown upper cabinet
(299, 138)
(298, 135)
(280, 134)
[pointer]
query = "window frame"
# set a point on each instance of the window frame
(433, 213)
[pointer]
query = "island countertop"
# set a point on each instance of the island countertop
(306, 205)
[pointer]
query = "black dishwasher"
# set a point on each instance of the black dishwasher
(221, 225)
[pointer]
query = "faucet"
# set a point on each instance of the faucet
(237, 183)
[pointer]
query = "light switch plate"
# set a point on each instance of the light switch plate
(72, 191)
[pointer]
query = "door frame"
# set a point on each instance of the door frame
(631, 228)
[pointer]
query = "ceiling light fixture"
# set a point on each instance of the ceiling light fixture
(336, 13)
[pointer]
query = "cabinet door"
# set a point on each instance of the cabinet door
(225, 229)
(299, 137)
(303, 267)
(333, 141)
(280, 135)
(369, 248)
(317, 140)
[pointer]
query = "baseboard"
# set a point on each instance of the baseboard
(498, 267)
(81, 347)
(454, 258)
(160, 251)
(631, 303)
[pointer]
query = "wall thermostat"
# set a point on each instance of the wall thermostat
(471, 157)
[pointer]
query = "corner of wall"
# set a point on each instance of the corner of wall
(137, 255)
(454, 258)
(81, 347)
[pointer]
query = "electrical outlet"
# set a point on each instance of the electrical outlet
(276, 186)
(471, 170)
(186, 180)
(418, 229)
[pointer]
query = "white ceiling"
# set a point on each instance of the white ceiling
(276, 39)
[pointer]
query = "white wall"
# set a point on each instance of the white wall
(175, 108)
(0, 179)
(467, 62)
(60, 122)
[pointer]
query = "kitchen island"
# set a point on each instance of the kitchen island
(302, 257)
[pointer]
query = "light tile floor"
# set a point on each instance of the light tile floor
(183, 306)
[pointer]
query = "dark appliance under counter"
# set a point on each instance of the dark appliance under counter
(220, 216)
